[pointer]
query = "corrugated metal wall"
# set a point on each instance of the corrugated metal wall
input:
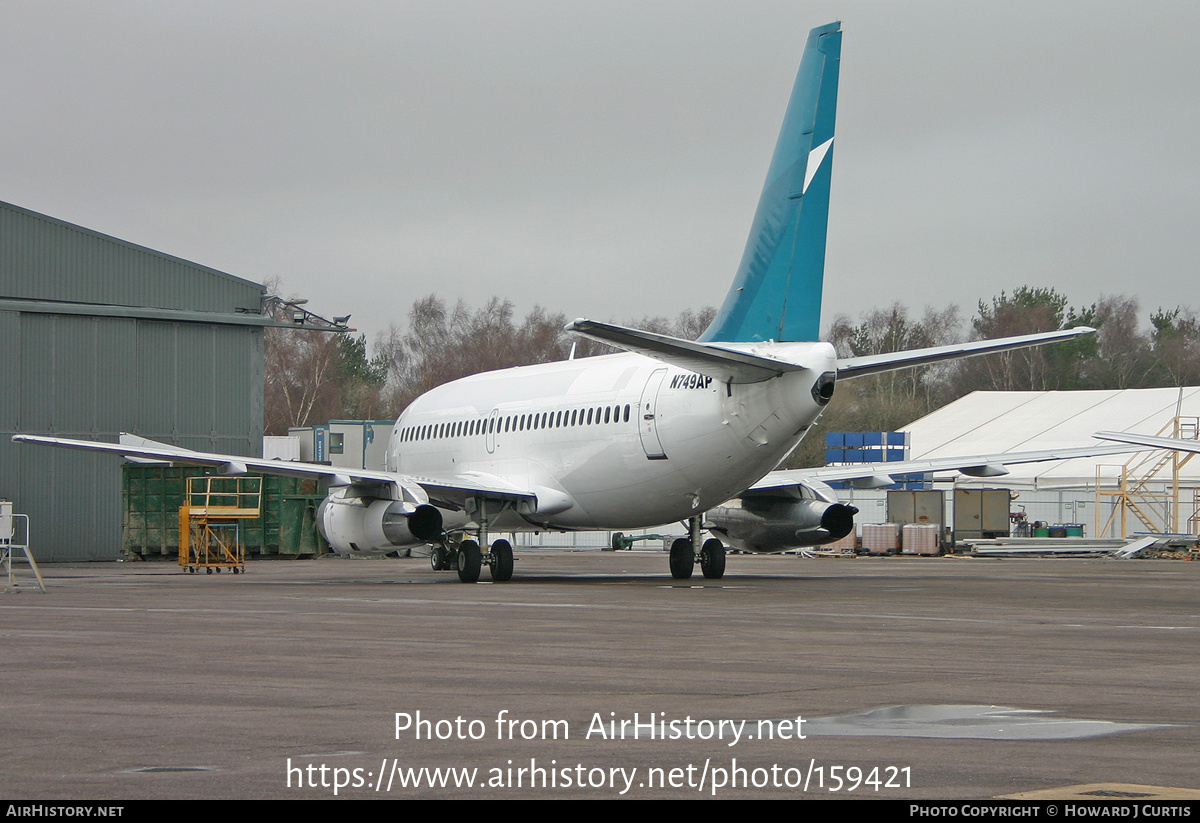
(196, 385)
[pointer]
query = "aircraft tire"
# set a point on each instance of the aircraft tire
(470, 560)
(502, 561)
(683, 560)
(712, 559)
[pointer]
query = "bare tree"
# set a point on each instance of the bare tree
(1123, 357)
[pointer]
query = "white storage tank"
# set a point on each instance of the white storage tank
(921, 538)
(880, 538)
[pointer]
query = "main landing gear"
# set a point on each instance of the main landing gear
(469, 558)
(686, 552)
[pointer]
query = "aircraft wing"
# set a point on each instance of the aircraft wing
(451, 491)
(877, 475)
(1150, 442)
(875, 363)
(718, 362)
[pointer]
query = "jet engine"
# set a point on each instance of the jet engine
(774, 521)
(372, 525)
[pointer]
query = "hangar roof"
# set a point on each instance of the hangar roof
(990, 422)
(43, 259)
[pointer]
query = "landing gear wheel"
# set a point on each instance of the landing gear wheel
(437, 558)
(470, 560)
(683, 559)
(712, 559)
(502, 561)
(617, 544)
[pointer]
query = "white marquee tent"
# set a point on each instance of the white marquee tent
(992, 422)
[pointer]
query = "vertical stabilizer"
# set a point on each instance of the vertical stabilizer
(776, 294)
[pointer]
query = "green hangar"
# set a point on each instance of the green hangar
(97, 337)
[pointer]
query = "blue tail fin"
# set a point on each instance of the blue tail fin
(776, 294)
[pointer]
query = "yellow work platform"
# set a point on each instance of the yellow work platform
(210, 522)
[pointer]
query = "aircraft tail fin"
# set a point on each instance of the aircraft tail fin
(776, 293)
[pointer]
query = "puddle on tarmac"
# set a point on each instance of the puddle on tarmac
(962, 722)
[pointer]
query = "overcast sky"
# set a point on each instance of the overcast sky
(603, 159)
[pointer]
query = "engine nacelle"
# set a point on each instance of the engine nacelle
(369, 525)
(760, 523)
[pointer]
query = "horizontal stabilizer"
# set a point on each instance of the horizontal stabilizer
(875, 363)
(724, 364)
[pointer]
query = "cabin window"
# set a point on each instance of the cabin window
(607, 413)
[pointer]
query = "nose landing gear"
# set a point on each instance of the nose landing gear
(686, 552)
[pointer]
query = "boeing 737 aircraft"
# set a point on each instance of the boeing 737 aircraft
(663, 432)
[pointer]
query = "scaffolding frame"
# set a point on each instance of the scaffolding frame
(1159, 512)
(210, 534)
(12, 551)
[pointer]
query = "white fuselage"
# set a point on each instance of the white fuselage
(620, 441)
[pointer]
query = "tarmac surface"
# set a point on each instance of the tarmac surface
(895, 678)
